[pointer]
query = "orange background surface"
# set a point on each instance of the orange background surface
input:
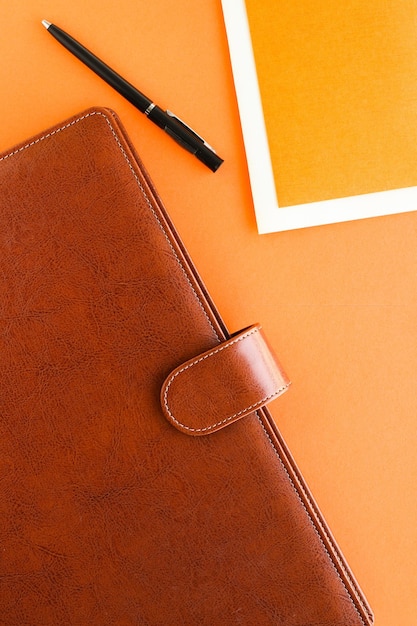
(338, 302)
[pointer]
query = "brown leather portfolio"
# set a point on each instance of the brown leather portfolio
(142, 479)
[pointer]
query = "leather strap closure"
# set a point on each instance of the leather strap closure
(224, 384)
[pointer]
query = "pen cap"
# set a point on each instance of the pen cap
(209, 158)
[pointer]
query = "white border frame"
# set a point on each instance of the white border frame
(269, 216)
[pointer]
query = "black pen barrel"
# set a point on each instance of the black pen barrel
(185, 137)
(112, 78)
(166, 120)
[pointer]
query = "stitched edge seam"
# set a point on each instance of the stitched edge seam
(339, 560)
(159, 223)
(50, 134)
(231, 417)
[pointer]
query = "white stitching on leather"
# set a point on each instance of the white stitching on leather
(53, 132)
(160, 224)
(341, 564)
(231, 417)
(251, 408)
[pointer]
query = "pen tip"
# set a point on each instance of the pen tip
(46, 24)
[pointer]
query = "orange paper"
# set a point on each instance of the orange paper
(339, 89)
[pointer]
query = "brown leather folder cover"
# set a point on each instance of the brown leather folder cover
(142, 480)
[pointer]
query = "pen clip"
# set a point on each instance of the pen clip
(190, 130)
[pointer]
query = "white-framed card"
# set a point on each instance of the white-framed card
(327, 99)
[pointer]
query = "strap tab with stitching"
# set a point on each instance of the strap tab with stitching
(224, 384)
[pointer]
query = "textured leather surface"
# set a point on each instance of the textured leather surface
(224, 384)
(108, 514)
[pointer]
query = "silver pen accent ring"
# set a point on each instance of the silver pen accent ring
(149, 109)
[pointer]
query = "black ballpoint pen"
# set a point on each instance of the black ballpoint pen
(166, 120)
